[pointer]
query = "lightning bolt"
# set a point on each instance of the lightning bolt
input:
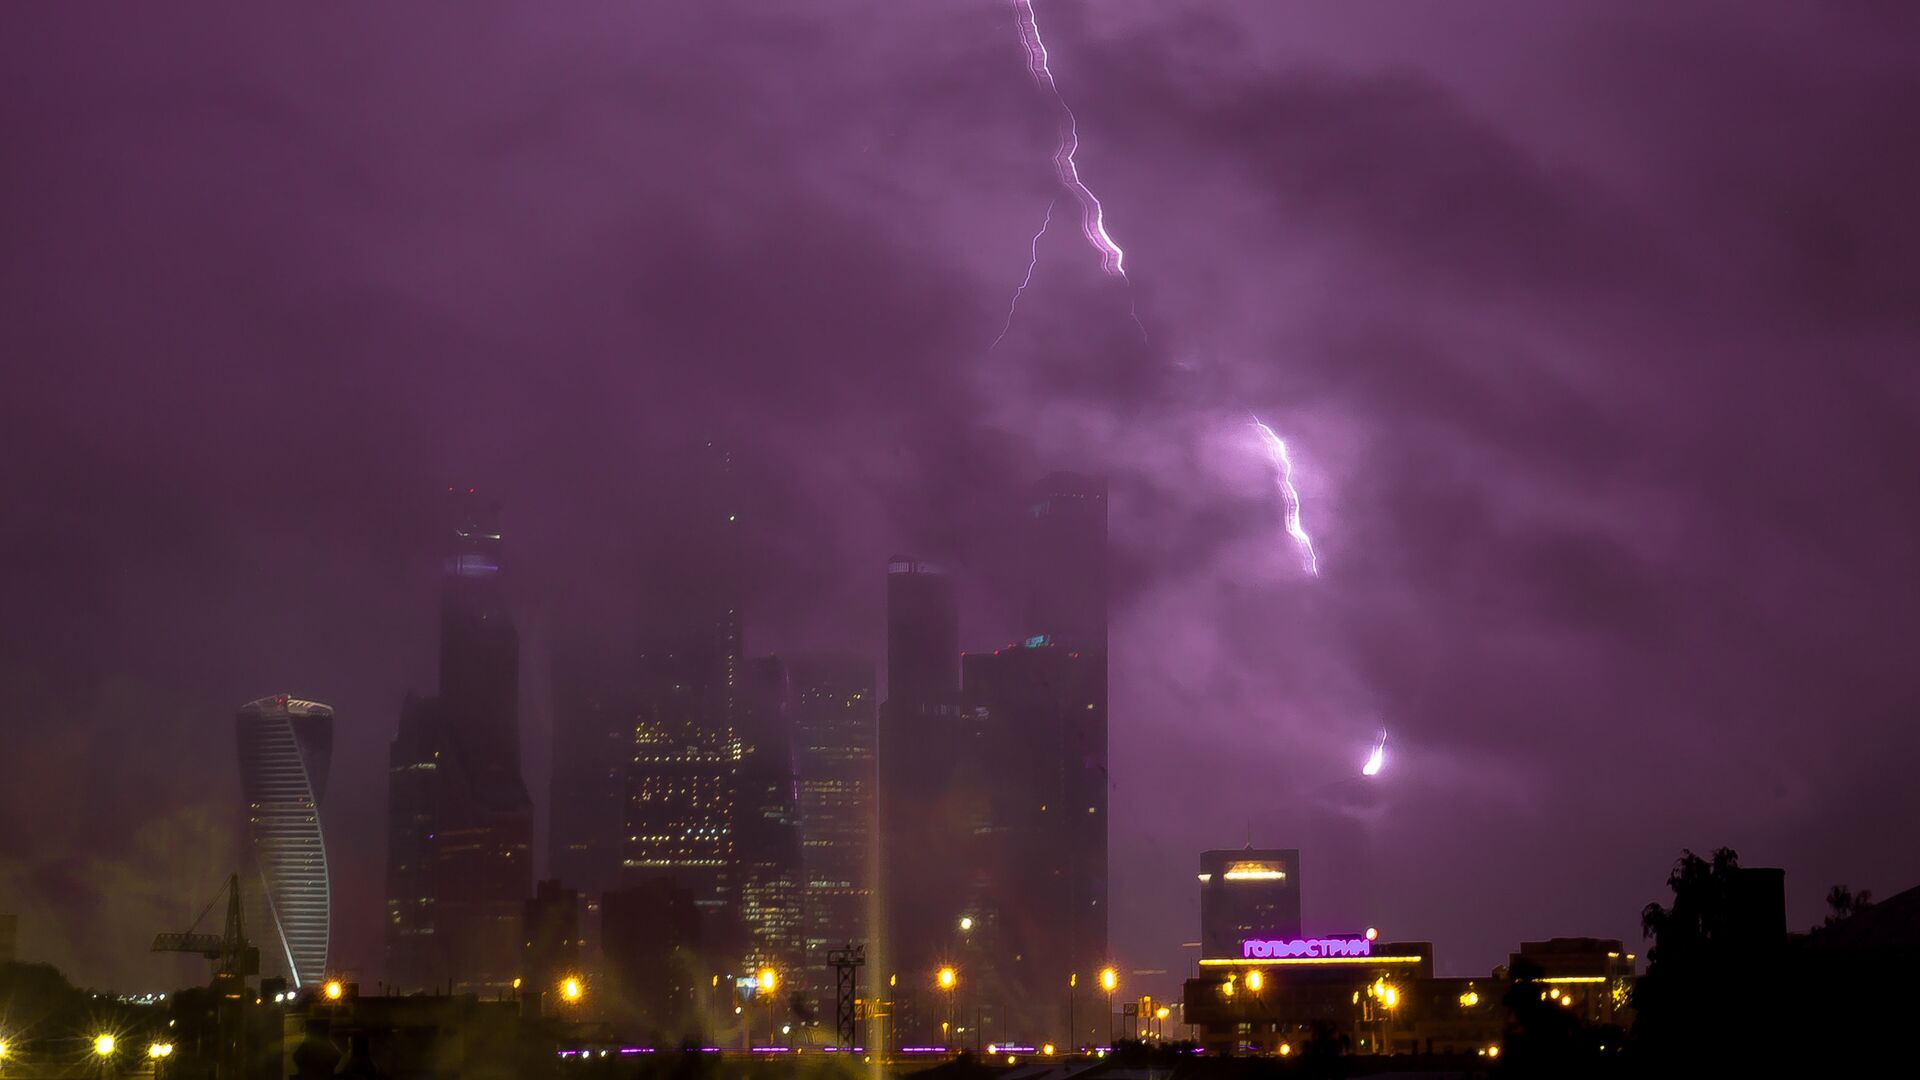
(1033, 259)
(1289, 497)
(1113, 260)
(1093, 222)
(1376, 760)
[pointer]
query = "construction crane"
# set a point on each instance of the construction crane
(234, 957)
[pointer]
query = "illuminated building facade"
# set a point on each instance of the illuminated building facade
(1245, 894)
(286, 746)
(684, 761)
(835, 726)
(1367, 994)
(767, 824)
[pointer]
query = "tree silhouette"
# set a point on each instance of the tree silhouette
(1844, 903)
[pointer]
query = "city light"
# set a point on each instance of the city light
(1162, 1013)
(1109, 979)
(160, 1050)
(103, 1045)
(966, 923)
(1493, 1051)
(570, 988)
(768, 980)
(3, 1049)
(1047, 1049)
(1469, 999)
(1372, 934)
(1285, 1049)
(1254, 981)
(947, 978)
(333, 990)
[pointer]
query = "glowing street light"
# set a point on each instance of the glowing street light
(966, 923)
(103, 1045)
(160, 1050)
(1255, 981)
(571, 989)
(333, 989)
(946, 978)
(1109, 979)
(768, 980)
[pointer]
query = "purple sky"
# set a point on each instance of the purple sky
(1592, 329)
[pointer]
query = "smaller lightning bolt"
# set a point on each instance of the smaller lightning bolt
(1289, 497)
(1033, 259)
(1376, 760)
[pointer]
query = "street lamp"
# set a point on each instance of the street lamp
(1255, 981)
(768, 981)
(333, 989)
(947, 978)
(103, 1045)
(571, 989)
(1109, 979)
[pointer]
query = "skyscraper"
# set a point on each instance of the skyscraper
(483, 834)
(923, 632)
(414, 961)
(683, 769)
(1064, 562)
(286, 746)
(835, 727)
(768, 839)
(460, 823)
(930, 789)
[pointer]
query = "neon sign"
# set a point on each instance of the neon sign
(1280, 948)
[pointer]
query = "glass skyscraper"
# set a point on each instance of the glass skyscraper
(286, 746)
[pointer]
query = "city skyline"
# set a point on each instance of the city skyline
(1585, 329)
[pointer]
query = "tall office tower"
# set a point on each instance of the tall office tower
(552, 936)
(768, 834)
(1065, 681)
(683, 771)
(923, 632)
(286, 746)
(484, 828)
(927, 795)
(1039, 887)
(413, 762)
(595, 701)
(835, 726)
(1064, 562)
(1245, 894)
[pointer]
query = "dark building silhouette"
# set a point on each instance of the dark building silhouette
(551, 932)
(653, 958)
(480, 821)
(1247, 893)
(835, 726)
(484, 827)
(923, 632)
(286, 749)
(595, 701)
(928, 794)
(1064, 562)
(1037, 898)
(413, 958)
